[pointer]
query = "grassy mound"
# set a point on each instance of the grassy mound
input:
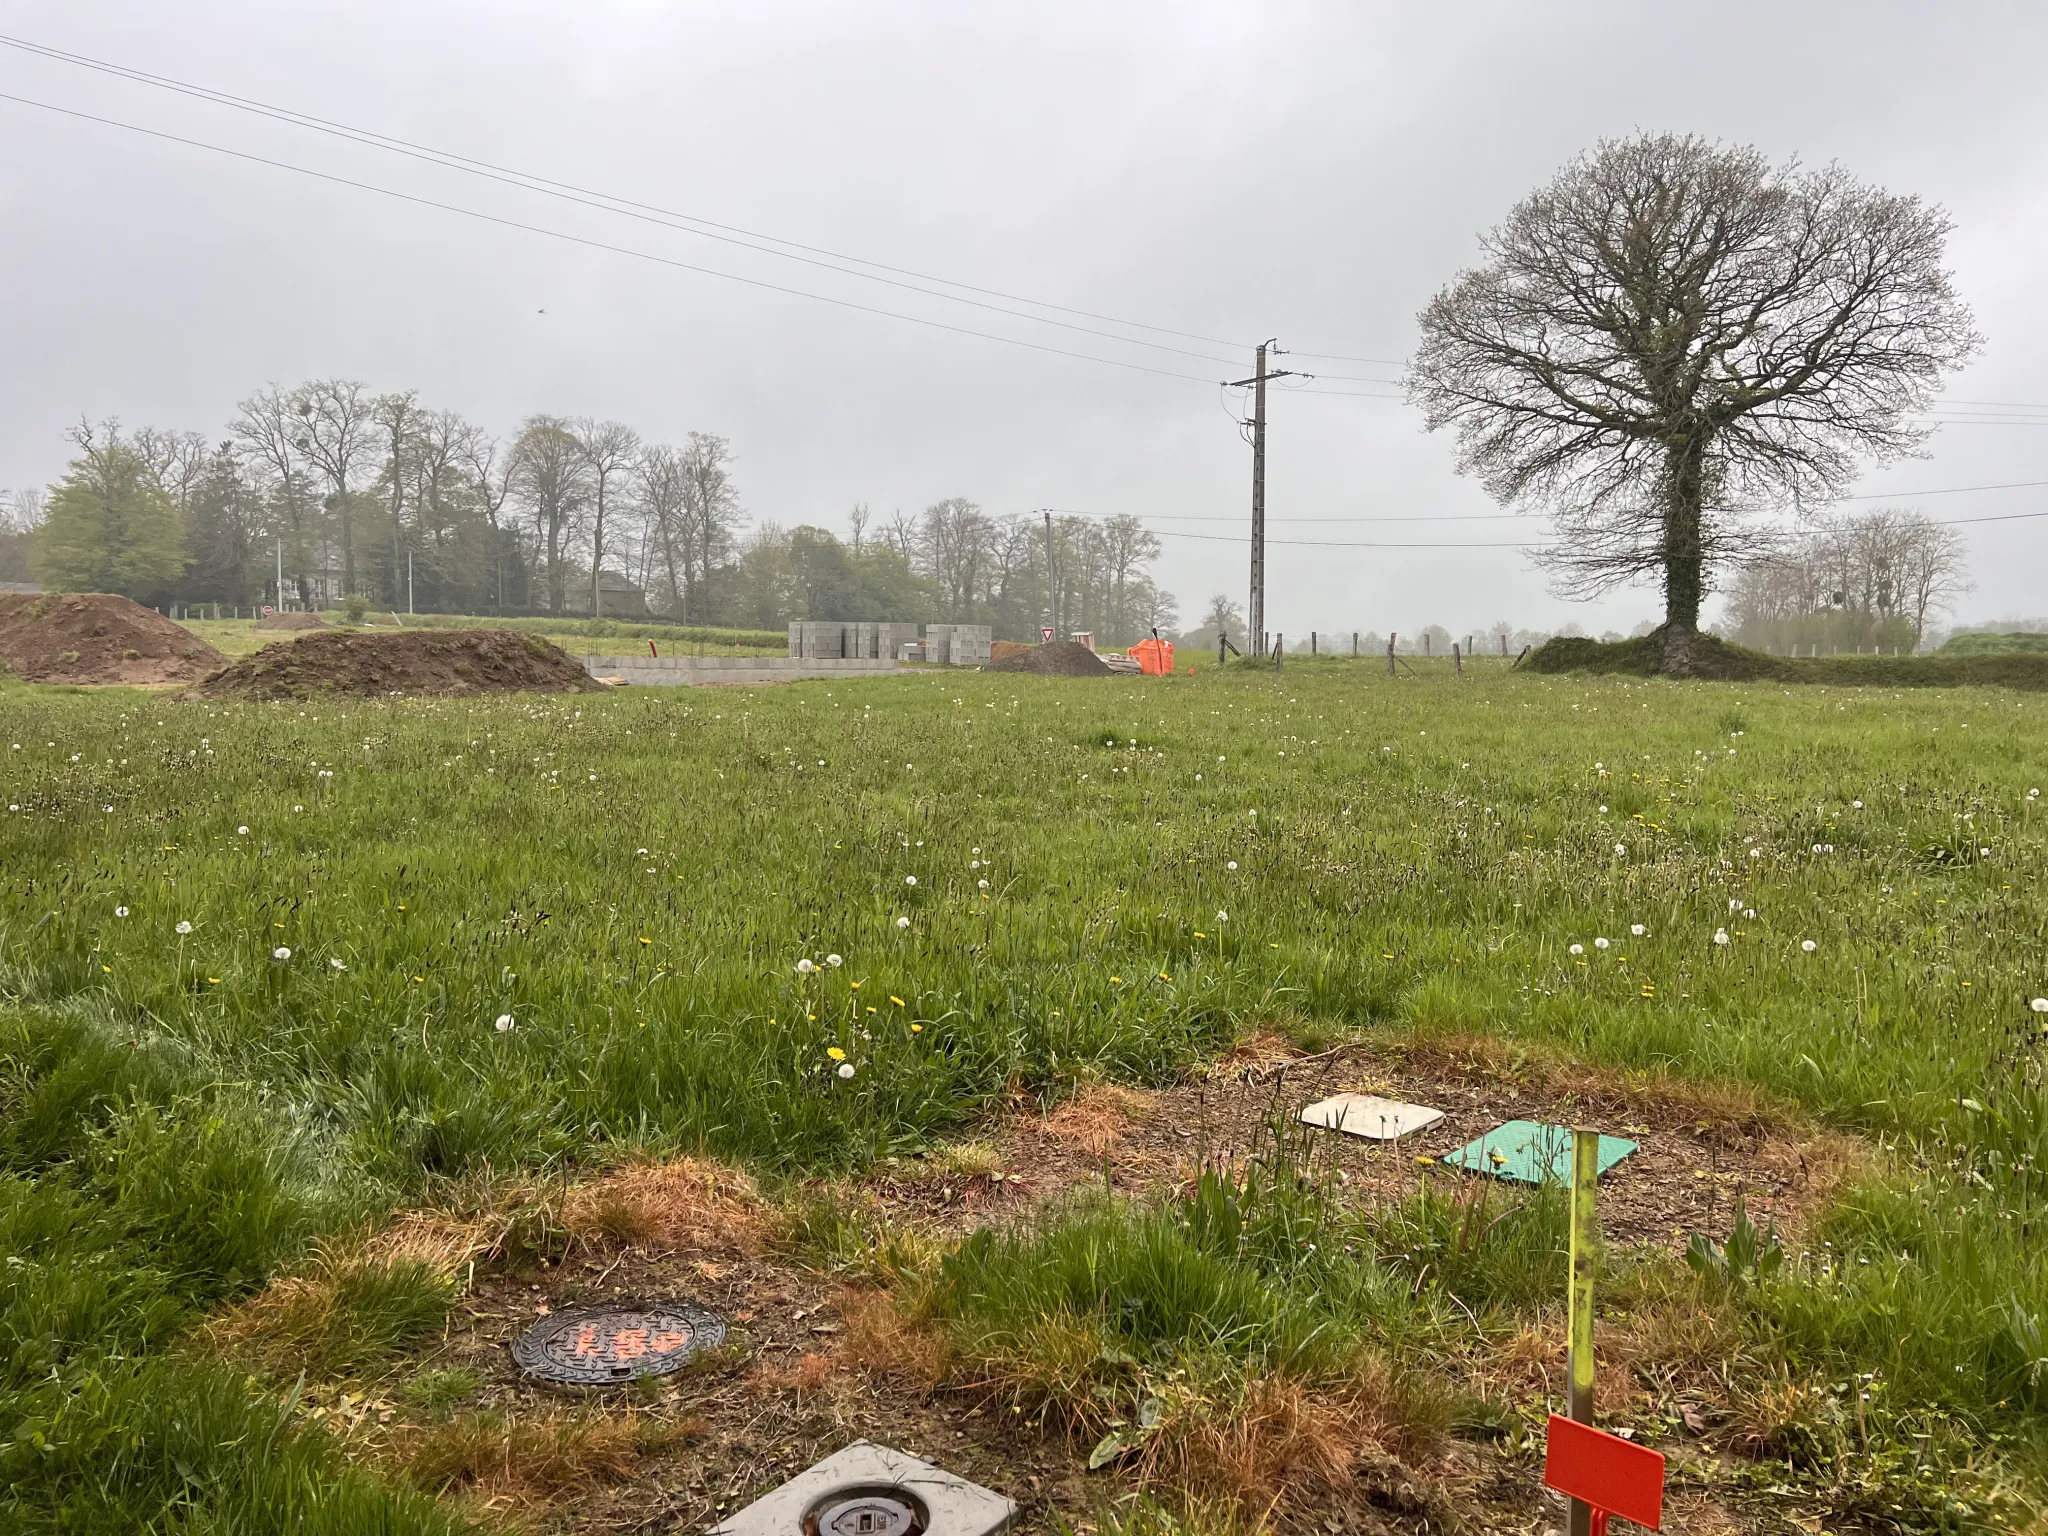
(1718, 661)
(2018, 643)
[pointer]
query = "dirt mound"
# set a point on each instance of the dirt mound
(438, 662)
(1061, 658)
(292, 621)
(91, 637)
(1003, 650)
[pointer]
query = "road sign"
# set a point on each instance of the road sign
(1613, 1475)
(1045, 634)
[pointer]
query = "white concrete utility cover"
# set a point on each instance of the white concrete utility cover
(870, 1490)
(1370, 1116)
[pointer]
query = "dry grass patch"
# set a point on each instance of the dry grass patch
(528, 1460)
(1095, 1121)
(688, 1203)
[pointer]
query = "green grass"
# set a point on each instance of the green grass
(1979, 643)
(2001, 666)
(633, 878)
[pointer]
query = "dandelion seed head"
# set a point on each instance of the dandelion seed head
(1600, 943)
(182, 928)
(846, 1070)
(1720, 935)
(834, 960)
(910, 879)
(1808, 945)
(241, 831)
(902, 922)
(505, 1023)
(1576, 949)
(120, 911)
(1230, 864)
(2039, 1005)
(280, 954)
(334, 963)
(804, 966)
(1637, 930)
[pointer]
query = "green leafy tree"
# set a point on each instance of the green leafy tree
(110, 527)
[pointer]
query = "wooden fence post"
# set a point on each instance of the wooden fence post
(1457, 660)
(1312, 642)
(1279, 650)
(1354, 642)
(1390, 655)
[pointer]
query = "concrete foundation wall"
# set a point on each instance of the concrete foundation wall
(693, 671)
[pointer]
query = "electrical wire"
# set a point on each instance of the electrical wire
(709, 229)
(599, 245)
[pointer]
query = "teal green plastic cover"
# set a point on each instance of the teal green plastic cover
(1524, 1152)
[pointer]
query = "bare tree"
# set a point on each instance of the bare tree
(609, 448)
(1673, 334)
(178, 461)
(335, 417)
(397, 416)
(493, 474)
(711, 508)
(659, 484)
(550, 476)
(858, 520)
(1874, 578)
(269, 428)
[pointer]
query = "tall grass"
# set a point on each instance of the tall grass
(631, 880)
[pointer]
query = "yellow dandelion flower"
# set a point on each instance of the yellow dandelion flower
(896, 1000)
(915, 1029)
(1164, 977)
(835, 1053)
(646, 941)
(1117, 980)
(855, 985)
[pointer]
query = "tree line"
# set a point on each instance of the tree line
(1851, 583)
(329, 491)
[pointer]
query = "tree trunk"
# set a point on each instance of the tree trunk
(1684, 558)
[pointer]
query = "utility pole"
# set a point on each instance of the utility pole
(280, 575)
(1052, 580)
(1256, 619)
(408, 581)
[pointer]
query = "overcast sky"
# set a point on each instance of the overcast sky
(1311, 172)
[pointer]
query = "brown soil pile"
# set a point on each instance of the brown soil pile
(1062, 658)
(435, 662)
(91, 637)
(292, 621)
(1003, 650)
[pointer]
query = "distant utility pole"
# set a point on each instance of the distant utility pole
(1256, 620)
(1052, 580)
(408, 581)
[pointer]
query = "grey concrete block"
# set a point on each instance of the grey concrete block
(951, 1506)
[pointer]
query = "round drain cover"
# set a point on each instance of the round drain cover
(592, 1346)
(867, 1513)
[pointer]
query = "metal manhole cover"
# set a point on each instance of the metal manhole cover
(866, 1512)
(594, 1346)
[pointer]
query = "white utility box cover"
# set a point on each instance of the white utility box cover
(1370, 1116)
(862, 1490)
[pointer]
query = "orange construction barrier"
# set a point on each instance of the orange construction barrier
(1154, 657)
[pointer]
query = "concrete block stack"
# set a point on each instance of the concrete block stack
(958, 645)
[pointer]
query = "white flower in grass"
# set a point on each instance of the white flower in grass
(1984, 853)
(1816, 847)
(2033, 794)
(982, 884)
(1576, 949)
(1756, 853)
(834, 960)
(1856, 805)
(1230, 864)
(1222, 917)
(902, 922)
(182, 929)
(804, 966)
(910, 879)
(1621, 850)
(506, 1024)
(2039, 1005)
(120, 911)
(1720, 935)
(241, 831)
(1808, 945)
(1637, 930)
(280, 954)
(1734, 904)
(1603, 810)
(1599, 943)
(846, 1070)
(335, 964)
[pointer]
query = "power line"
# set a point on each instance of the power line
(708, 229)
(599, 245)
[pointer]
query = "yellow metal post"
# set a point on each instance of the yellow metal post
(1584, 1242)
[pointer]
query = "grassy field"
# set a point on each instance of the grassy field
(272, 973)
(579, 637)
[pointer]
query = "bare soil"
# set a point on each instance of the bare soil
(1060, 658)
(292, 621)
(94, 637)
(416, 662)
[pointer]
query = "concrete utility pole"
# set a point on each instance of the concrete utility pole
(1256, 619)
(1052, 580)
